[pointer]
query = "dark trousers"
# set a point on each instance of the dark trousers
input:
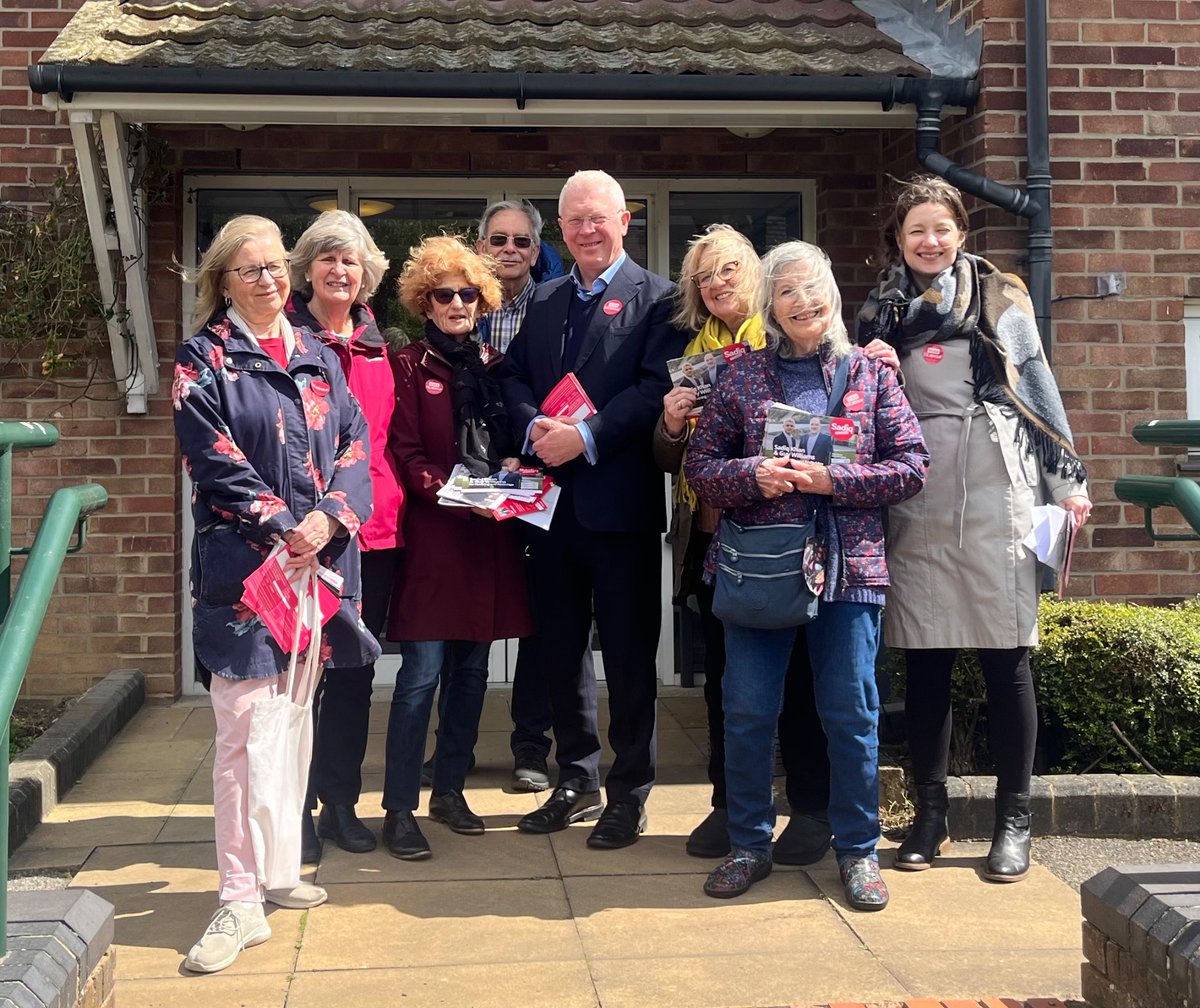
(573, 573)
(342, 703)
(802, 742)
(531, 714)
(1011, 714)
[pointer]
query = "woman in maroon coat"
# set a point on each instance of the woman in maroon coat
(461, 582)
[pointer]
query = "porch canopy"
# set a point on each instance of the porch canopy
(742, 64)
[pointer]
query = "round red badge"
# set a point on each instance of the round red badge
(612, 306)
(319, 387)
(841, 429)
(434, 387)
(853, 400)
(933, 353)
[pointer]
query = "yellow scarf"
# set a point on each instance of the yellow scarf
(716, 335)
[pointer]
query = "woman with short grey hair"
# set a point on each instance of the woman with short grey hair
(336, 267)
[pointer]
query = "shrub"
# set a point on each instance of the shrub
(1098, 665)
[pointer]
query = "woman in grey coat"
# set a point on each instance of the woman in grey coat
(965, 336)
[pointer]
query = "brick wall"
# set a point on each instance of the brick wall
(1126, 138)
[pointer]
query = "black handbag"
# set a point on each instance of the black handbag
(760, 580)
(768, 576)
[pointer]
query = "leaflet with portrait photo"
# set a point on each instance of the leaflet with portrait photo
(809, 437)
(700, 371)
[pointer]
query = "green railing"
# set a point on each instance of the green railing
(1179, 492)
(21, 616)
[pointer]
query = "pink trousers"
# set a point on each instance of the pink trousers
(231, 700)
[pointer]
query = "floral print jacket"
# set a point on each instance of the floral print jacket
(264, 447)
(726, 450)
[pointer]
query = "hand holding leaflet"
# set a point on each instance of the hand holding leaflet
(1052, 540)
(275, 598)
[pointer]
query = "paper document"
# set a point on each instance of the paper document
(568, 399)
(275, 598)
(1052, 540)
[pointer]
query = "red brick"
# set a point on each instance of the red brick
(1145, 55)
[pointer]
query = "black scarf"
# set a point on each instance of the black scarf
(974, 300)
(482, 433)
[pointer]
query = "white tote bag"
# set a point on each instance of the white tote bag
(278, 752)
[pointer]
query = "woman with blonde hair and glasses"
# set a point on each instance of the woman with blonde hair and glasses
(718, 287)
(461, 581)
(276, 448)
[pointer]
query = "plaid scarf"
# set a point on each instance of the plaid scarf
(974, 300)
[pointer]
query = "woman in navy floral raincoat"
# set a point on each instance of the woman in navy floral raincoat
(276, 448)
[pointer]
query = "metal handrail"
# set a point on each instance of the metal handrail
(65, 518)
(1150, 492)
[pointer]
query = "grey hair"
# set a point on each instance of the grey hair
(591, 178)
(519, 206)
(338, 231)
(819, 285)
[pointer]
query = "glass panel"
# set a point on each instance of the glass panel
(636, 242)
(397, 224)
(293, 210)
(766, 218)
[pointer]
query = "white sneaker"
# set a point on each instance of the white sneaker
(300, 897)
(234, 926)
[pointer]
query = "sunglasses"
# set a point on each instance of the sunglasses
(500, 240)
(445, 295)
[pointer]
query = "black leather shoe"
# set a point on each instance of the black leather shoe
(804, 840)
(451, 808)
(427, 770)
(711, 838)
(403, 837)
(562, 808)
(310, 845)
(620, 825)
(340, 824)
(928, 835)
(1008, 859)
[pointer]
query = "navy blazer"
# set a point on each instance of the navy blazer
(622, 364)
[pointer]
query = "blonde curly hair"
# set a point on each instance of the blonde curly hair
(438, 257)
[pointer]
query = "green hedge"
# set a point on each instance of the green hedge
(1100, 664)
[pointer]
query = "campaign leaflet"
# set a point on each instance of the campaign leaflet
(568, 399)
(701, 371)
(808, 437)
(275, 598)
(523, 494)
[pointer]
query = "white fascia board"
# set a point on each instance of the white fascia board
(305, 110)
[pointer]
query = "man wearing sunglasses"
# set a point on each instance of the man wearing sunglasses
(608, 322)
(510, 233)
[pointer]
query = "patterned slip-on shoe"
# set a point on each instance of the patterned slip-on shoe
(865, 888)
(737, 873)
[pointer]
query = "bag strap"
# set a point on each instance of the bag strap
(840, 377)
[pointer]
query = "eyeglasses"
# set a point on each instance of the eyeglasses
(575, 223)
(446, 295)
(726, 273)
(500, 240)
(251, 274)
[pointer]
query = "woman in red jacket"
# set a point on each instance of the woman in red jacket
(335, 269)
(461, 583)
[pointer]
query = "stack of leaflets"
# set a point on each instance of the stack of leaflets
(808, 437)
(701, 371)
(521, 494)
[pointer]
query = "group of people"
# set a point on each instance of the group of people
(298, 424)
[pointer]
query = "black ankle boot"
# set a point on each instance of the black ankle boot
(1008, 860)
(929, 832)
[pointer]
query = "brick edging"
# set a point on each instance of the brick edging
(1093, 805)
(57, 759)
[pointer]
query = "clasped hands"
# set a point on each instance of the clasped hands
(307, 539)
(555, 440)
(779, 476)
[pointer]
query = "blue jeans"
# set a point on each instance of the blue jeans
(408, 722)
(842, 642)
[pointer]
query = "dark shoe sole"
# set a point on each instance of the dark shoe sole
(616, 843)
(584, 815)
(415, 855)
(920, 865)
(364, 846)
(1005, 878)
(459, 829)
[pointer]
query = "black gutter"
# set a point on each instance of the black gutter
(1033, 202)
(69, 80)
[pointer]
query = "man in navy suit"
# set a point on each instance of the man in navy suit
(608, 322)
(818, 446)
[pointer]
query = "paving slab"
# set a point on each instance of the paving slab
(511, 919)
